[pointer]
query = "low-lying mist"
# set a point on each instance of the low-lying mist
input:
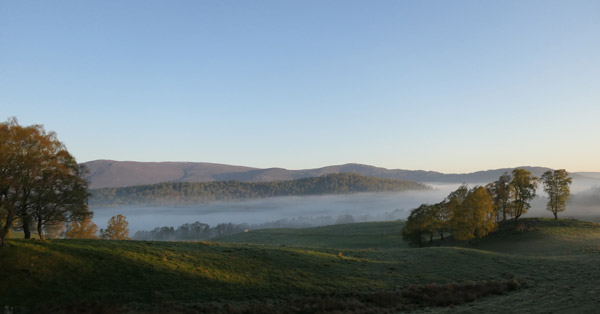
(362, 206)
(307, 211)
(584, 204)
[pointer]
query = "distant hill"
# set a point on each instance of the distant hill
(594, 175)
(110, 173)
(183, 193)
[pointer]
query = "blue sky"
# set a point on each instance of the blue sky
(452, 86)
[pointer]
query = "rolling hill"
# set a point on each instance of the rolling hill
(350, 268)
(110, 173)
(185, 193)
(345, 236)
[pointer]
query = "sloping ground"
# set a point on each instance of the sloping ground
(345, 236)
(543, 236)
(174, 277)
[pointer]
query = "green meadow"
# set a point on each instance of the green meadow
(352, 268)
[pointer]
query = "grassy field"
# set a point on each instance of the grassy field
(555, 262)
(355, 236)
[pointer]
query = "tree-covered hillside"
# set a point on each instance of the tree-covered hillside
(202, 192)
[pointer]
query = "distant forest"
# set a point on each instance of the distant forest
(185, 193)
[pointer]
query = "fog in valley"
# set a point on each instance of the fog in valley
(307, 211)
(362, 206)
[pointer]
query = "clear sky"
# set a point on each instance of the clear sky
(451, 86)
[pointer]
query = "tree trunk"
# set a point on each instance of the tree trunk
(40, 229)
(555, 215)
(26, 227)
(5, 230)
(442, 234)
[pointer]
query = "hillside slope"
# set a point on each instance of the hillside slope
(98, 276)
(185, 193)
(345, 236)
(110, 173)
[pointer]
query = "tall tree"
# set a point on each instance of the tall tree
(117, 228)
(29, 156)
(441, 218)
(523, 186)
(8, 171)
(500, 192)
(474, 217)
(557, 185)
(67, 198)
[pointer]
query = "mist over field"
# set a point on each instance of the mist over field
(321, 210)
(362, 206)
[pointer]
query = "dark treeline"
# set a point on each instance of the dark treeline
(199, 231)
(204, 192)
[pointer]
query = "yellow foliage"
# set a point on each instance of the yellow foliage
(82, 229)
(474, 217)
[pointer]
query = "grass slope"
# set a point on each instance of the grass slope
(178, 276)
(345, 236)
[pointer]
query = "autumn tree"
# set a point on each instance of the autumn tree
(418, 224)
(117, 228)
(7, 180)
(474, 217)
(38, 179)
(441, 218)
(557, 185)
(82, 228)
(500, 192)
(426, 221)
(523, 186)
(67, 198)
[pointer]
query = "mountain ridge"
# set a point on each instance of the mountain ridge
(110, 173)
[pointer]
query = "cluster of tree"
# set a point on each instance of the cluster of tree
(199, 231)
(117, 229)
(195, 192)
(41, 184)
(473, 213)
(186, 232)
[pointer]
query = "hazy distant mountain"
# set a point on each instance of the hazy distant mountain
(110, 173)
(186, 193)
(594, 175)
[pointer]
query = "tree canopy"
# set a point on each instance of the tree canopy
(40, 182)
(500, 191)
(523, 186)
(117, 228)
(557, 185)
(474, 217)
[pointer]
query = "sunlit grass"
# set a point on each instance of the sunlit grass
(549, 256)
